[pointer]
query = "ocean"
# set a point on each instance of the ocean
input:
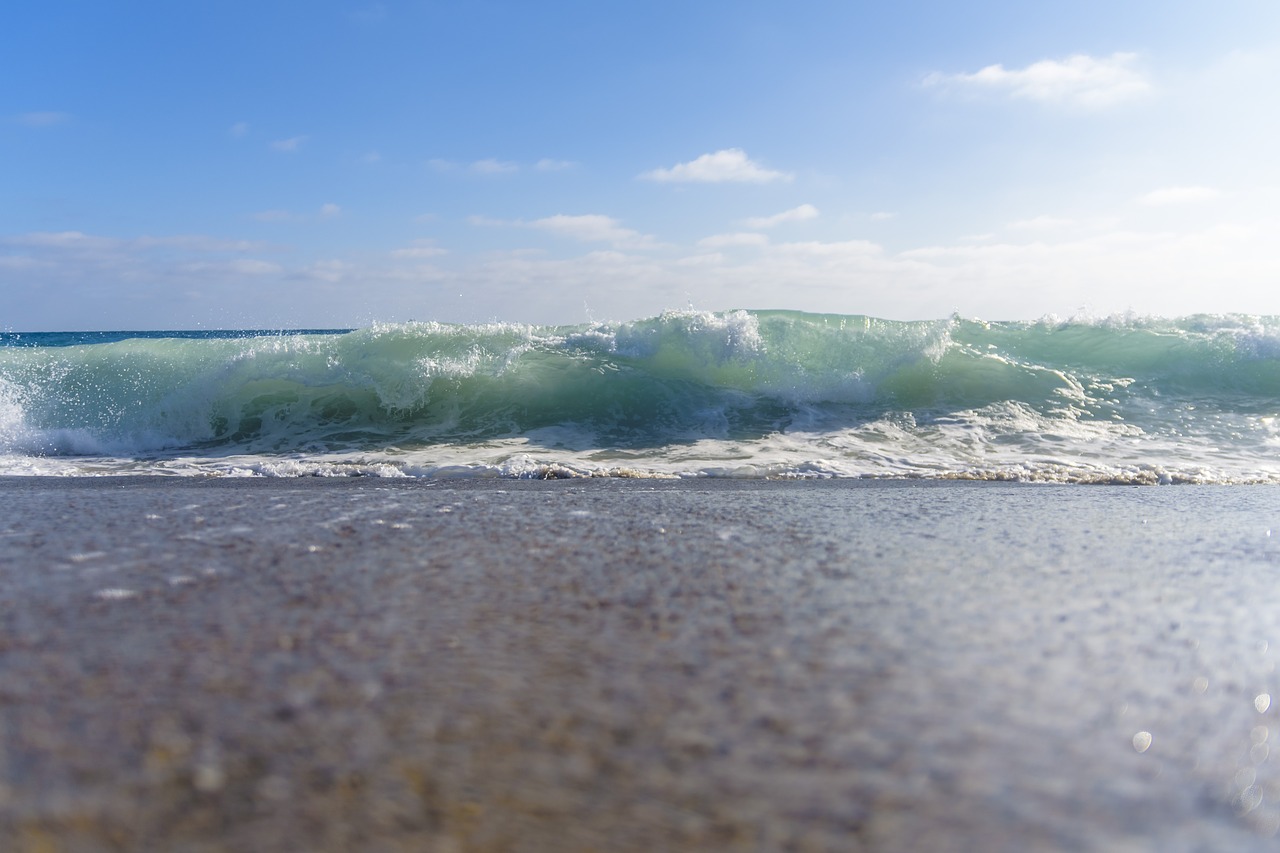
(741, 394)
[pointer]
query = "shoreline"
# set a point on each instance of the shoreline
(228, 664)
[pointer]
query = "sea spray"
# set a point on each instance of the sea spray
(743, 393)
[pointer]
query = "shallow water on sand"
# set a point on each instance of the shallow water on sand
(566, 665)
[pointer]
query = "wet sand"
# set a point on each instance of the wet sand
(324, 665)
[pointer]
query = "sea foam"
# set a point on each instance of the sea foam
(740, 393)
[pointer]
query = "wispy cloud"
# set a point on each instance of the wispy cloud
(235, 266)
(332, 271)
(795, 214)
(546, 164)
(489, 166)
(586, 228)
(60, 240)
(592, 228)
(420, 249)
(1040, 223)
(494, 167)
(881, 215)
(42, 119)
(1178, 195)
(1079, 80)
(727, 165)
(329, 210)
(722, 241)
(81, 242)
(239, 129)
(289, 145)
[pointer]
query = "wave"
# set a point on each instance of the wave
(768, 393)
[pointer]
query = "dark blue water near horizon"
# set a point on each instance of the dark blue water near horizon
(89, 338)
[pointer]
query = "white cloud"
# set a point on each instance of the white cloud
(721, 241)
(881, 215)
(330, 210)
(77, 241)
(289, 145)
(494, 167)
(728, 165)
(1080, 80)
(795, 214)
(1178, 195)
(332, 271)
(420, 249)
(273, 216)
(236, 266)
(1040, 223)
(548, 165)
(239, 129)
(592, 228)
(61, 240)
(198, 243)
(43, 119)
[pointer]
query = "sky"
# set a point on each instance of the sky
(332, 164)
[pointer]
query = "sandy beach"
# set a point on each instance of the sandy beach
(329, 665)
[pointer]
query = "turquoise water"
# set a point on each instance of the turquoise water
(742, 393)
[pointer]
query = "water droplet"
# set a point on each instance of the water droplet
(1262, 702)
(1142, 741)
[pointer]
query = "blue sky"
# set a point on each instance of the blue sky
(322, 164)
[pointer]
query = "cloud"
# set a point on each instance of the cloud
(42, 119)
(720, 241)
(795, 214)
(420, 249)
(592, 228)
(60, 240)
(549, 165)
(728, 165)
(488, 166)
(881, 215)
(77, 241)
(1079, 80)
(235, 266)
(93, 281)
(1040, 223)
(239, 129)
(586, 228)
(333, 270)
(494, 167)
(328, 210)
(1178, 195)
(289, 145)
